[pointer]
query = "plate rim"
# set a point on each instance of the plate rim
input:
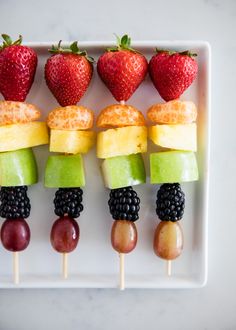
(197, 283)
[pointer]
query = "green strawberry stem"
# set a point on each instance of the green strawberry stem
(7, 41)
(123, 43)
(72, 49)
(172, 52)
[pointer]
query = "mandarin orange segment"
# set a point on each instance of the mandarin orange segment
(70, 118)
(118, 115)
(173, 112)
(17, 113)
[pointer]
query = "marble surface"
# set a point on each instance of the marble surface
(212, 307)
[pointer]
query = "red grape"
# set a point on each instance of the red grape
(15, 234)
(65, 234)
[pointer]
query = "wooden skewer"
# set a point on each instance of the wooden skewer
(65, 265)
(65, 258)
(122, 271)
(168, 267)
(121, 255)
(16, 267)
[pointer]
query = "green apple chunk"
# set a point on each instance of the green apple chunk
(173, 166)
(123, 171)
(64, 171)
(18, 168)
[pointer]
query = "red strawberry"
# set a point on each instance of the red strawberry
(68, 73)
(122, 69)
(172, 73)
(17, 69)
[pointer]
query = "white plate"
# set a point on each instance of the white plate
(94, 263)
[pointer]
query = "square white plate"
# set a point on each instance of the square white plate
(94, 264)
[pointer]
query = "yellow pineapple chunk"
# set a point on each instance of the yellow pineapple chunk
(19, 136)
(182, 137)
(122, 141)
(71, 142)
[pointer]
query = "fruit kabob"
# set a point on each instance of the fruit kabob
(175, 131)
(19, 132)
(68, 73)
(122, 69)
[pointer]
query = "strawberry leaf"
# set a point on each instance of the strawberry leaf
(123, 43)
(90, 58)
(18, 41)
(166, 51)
(118, 40)
(112, 49)
(172, 52)
(124, 40)
(7, 41)
(72, 49)
(188, 53)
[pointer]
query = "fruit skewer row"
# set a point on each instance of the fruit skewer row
(176, 132)
(19, 132)
(122, 70)
(68, 73)
(70, 137)
(121, 148)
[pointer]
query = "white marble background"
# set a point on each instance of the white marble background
(213, 307)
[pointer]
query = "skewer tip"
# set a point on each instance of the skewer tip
(16, 267)
(65, 265)
(169, 267)
(122, 271)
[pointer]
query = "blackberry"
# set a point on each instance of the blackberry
(68, 201)
(14, 202)
(124, 204)
(170, 202)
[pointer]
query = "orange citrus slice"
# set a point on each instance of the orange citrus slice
(17, 113)
(72, 117)
(118, 115)
(173, 112)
